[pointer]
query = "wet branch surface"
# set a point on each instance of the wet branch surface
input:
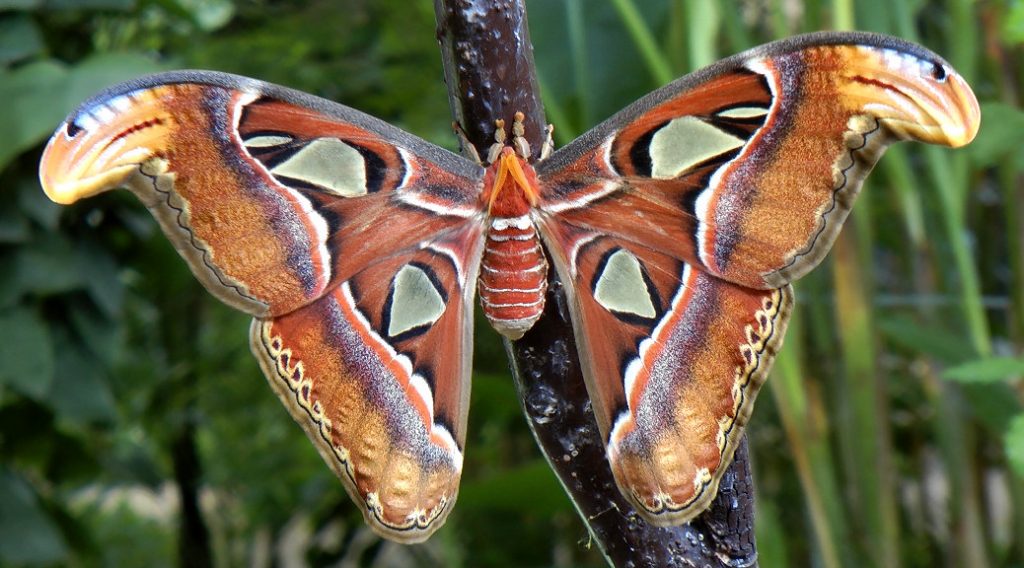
(489, 68)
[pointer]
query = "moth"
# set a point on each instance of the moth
(676, 225)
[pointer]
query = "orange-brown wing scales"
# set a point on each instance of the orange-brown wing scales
(346, 159)
(421, 305)
(379, 183)
(354, 244)
(770, 217)
(172, 146)
(734, 106)
(354, 402)
(279, 134)
(753, 164)
(691, 390)
(268, 194)
(377, 373)
(673, 358)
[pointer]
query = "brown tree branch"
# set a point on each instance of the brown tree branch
(489, 68)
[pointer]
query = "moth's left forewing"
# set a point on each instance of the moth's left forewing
(747, 169)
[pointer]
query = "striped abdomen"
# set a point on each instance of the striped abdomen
(513, 276)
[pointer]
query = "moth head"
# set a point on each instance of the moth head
(102, 144)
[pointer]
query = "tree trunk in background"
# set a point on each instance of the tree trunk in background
(182, 303)
(489, 68)
(194, 549)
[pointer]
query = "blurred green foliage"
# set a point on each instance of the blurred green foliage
(891, 432)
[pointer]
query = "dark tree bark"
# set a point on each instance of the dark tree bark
(489, 68)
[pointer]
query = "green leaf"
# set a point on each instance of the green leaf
(26, 353)
(100, 272)
(207, 15)
(122, 5)
(32, 106)
(19, 39)
(1001, 135)
(79, 392)
(101, 336)
(48, 266)
(530, 488)
(34, 203)
(1013, 24)
(13, 226)
(37, 96)
(27, 535)
(988, 370)
(19, 4)
(10, 288)
(938, 342)
(1015, 444)
(98, 72)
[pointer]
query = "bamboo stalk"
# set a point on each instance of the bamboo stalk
(702, 33)
(896, 167)
(808, 442)
(657, 64)
(863, 425)
(734, 27)
(580, 61)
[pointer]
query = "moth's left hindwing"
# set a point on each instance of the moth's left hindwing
(354, 244)
(673, 358)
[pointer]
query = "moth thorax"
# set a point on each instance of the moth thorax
(510, 185)
(513, 275)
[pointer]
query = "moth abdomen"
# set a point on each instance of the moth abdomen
(513, 276)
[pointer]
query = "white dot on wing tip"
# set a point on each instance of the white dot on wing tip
(104, 113)
(121, 103)
(85, 121)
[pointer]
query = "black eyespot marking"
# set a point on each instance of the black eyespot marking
(376, 167)
(939, 72)
(640, 153)
(72, 129)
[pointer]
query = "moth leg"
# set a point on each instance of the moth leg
(549, 142)
(519, 142)
(499, 141)
(466, 147)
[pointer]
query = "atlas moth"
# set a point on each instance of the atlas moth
(677, 226)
